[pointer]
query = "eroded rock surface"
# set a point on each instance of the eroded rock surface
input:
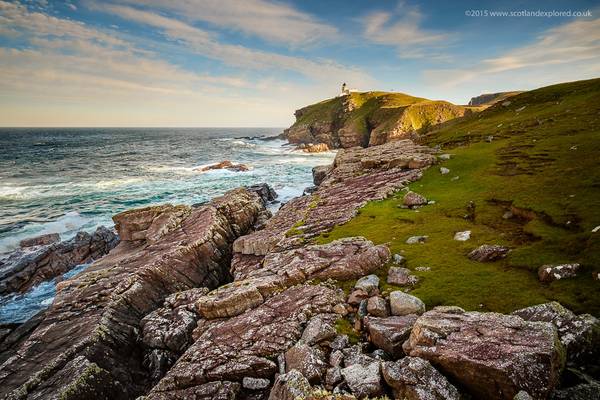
(414, 378)
(580, 334)
(246, 345)
(359, 175)
(491, 355)
(44, 258)
(97, 314)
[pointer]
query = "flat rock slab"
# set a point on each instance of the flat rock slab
(492, 355)
(390, 333)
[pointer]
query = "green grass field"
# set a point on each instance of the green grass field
(543, 163)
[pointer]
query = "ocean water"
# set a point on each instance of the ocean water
(67, 180)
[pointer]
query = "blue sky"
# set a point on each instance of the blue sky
(253, 62)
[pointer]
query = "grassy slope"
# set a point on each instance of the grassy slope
(382, 108)
(532, 165)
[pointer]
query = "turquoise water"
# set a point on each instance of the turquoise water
(65, 180)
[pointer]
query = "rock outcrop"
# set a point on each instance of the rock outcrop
(247, 344)
(44, 258)
(358, 176)
(368, 119)
(414, 378)
(492, 355)
(88, 340)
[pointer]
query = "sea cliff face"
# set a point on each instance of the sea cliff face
(368, 119)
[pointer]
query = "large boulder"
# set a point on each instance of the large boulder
(390, 333)
(404, 304)
(491, 355)
(580, 334)
(44, 258)
(290, 386)
(413, 378)
(310, 361)
(364, 380)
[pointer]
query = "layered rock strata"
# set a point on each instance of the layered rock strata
(87, 344)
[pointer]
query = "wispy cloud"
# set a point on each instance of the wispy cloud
(269, 20)
(207, 44)
(567, 52)
(402, 29)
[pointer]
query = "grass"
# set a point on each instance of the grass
(378, 112)
(530, 167)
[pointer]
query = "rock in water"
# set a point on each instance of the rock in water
(414, 378)
(97, 314)
(41, 240)
(320, 172)
(43, 258)
(491, 355)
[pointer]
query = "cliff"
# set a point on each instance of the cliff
(487, 99)
(368, 119)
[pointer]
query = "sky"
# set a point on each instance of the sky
(236, 63)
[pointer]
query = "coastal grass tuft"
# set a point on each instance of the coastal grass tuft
(531, 169)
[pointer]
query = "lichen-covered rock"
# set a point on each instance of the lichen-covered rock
(364, 380)
(310, 361)
(549, 273)
(290, 386)
(401, 277)
(347, 258)
(45, 258)
(390, 333)
(320, 328)
(369, 284)
(489, 252)
(247, 344)
(580, 334)
(491, 355)
(97, 314)
(255, 383)
(404, 304)
(377, 307)
(414, 378)
(412, 199)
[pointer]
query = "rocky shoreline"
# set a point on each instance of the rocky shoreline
(225, 301)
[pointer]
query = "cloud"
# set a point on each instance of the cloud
(566, 52)
(269, 20)
(206, 44)
(72, 74)
(402, 29)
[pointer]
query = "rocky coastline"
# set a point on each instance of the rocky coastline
(224, 301)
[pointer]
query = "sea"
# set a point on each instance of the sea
(65, 180)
